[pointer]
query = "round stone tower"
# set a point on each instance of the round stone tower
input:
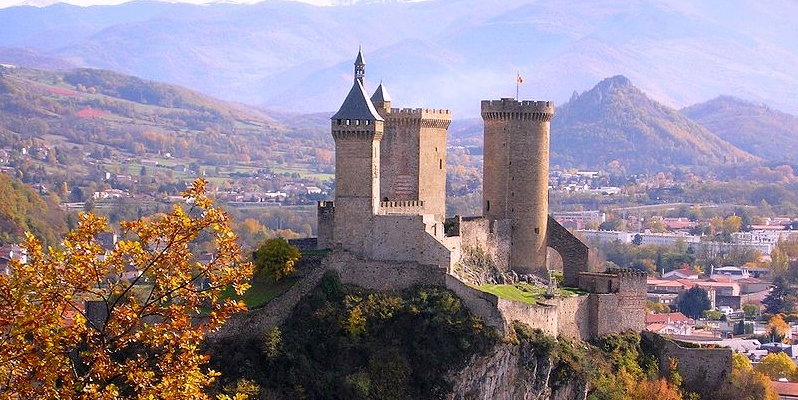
(516, 175)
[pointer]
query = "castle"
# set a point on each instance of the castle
(388, 215)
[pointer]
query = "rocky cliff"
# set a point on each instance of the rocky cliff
(515, 372)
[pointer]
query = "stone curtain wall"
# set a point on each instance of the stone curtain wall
(574, 317)
(493, 237)
(383, 275)
(256, 321)
(416, 238)
(702, 369)
(478, 302)
(541, 316)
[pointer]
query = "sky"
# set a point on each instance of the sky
(85, 3)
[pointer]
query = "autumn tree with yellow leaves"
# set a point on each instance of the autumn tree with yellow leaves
(152, 305)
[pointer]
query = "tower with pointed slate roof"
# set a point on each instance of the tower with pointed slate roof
(390, 173)
(357, 129)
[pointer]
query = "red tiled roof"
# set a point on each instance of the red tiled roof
(665, 317)
(785, 388)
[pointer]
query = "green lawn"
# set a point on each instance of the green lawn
(527, 293)
(522, 292)
(263, 290)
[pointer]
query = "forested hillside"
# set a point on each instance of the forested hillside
(755, 128)
(103, 113)
(22, 209)
(616, 127)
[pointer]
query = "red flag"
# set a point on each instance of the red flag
(520, 79)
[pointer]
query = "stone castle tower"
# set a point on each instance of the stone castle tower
(413, 154)
(357, 129)
(515, 176)
(390, 171)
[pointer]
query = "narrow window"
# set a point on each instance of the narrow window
(487, 207)
(440, 163)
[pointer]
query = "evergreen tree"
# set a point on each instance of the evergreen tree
(693, 302)
(782, 298)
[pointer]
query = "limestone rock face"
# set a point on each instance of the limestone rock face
(513, 372)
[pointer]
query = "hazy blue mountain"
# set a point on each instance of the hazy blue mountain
(436, 53)
(753, 127)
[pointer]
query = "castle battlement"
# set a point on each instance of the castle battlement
(511, 109)
(401, 204)
(356, 134)
(422, 112)
(424, 117)
(411, 207)
(626, 272)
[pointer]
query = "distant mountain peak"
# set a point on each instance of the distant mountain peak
(615, 81)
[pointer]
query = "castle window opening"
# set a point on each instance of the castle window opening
(348, 122)
(440, 164)
(338, 121)
(357, 122)
(487, 207)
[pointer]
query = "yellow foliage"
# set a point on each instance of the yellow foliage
(777, 366)
(143, 338)
(778, 327)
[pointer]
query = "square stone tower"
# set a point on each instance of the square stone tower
(357, 129)
(413, 154)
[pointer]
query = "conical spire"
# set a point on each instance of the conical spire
(357, 104)
(360, 66)
(380, 95)
(381, 100)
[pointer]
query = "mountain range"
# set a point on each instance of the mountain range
(613, 126)
(436, 53)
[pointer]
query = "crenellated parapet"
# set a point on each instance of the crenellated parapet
(423, 117)
(401, 204)
(357, 129)
(626, 272)
(511, 109)
(402, 207)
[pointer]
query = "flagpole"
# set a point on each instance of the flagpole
(517, 84)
